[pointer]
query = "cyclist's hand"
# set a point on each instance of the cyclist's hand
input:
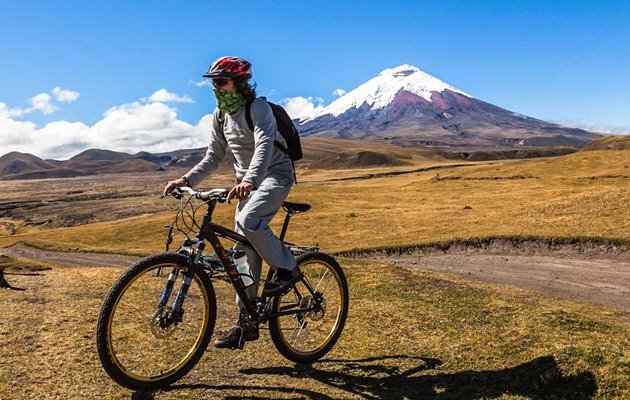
(173, 184)
(240, 191)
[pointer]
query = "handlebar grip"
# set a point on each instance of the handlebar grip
(178, 191)
(218, 194)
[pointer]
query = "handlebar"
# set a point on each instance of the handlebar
(214, 194)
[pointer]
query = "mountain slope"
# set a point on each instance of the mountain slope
(404, 105)
(95, 161)
(100, 154)
(16, 163)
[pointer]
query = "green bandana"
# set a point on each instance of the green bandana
(229, 102)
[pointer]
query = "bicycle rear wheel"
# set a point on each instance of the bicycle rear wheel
(307, 336)
(139, 347)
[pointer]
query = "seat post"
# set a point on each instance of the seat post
(286, 224)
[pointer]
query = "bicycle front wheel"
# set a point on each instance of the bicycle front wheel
(310, 324)
(141, 346)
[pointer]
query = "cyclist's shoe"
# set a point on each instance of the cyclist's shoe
(282, 281)
(235, 338)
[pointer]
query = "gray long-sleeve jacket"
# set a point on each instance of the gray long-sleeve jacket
(254, 153)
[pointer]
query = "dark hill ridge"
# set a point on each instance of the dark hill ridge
(154, 158)
(358, 159)
(98, 154)
(16, 163)
(319, 153)
(95, 161)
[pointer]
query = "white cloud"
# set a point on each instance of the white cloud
(338, 92)
(302, 107)
(164, 96)
(205, 82)
(42, 102)
(65, 96)
(129, 127)
(6, 112)
(595, 127)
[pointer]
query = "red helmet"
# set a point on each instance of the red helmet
(230, 67)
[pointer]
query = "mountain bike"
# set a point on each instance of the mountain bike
(158, 317)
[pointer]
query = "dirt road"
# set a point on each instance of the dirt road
(68, 259)
(603, 279)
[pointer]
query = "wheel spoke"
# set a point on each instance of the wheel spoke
(320, 281)
(299, 331)
(326, 287)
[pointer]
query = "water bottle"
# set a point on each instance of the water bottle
(243, 268)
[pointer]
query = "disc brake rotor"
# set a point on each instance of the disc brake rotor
(162, 325)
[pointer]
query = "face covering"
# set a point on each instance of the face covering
(229, 102)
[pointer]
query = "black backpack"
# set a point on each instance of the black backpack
(286, 128)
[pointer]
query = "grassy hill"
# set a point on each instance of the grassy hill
(619, 142)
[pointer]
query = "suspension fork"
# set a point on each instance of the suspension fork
(168, 289)
(188, 277)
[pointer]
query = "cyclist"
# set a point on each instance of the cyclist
(264, 176)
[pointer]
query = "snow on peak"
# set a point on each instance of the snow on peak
(401, 70)
(380, 91)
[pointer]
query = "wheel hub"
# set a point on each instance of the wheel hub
(162, 324)
(310, 302)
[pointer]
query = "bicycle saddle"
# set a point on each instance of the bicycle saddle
(296, 207)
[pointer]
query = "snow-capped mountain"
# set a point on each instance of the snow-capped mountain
(379, 92)
(404, 105)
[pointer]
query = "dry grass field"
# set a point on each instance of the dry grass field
(580, 195)
(410, 334)
(30, 205)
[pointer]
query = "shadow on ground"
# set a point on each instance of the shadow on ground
(539, 378)
(381, 378)
(6, 285)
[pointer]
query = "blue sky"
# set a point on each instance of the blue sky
(564, 61)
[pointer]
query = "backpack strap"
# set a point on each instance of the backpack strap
(222, 122)
(250, 123)
(248, 114)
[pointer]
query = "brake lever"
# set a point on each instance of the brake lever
(177, 193)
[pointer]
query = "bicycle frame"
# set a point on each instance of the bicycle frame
(212, 232)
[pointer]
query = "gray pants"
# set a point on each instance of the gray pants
(252, 220)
